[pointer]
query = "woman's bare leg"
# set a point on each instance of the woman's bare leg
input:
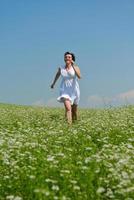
(68, 111)
(74, 112)
(65, 114)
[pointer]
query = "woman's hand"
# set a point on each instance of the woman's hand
(72, 62)
(52, 86)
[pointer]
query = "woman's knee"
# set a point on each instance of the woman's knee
(67, 105)
(68, 109)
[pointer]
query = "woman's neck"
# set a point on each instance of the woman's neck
(68, 65)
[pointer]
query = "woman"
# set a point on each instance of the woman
(69, 87)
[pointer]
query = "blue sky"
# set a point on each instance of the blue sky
(35, 34)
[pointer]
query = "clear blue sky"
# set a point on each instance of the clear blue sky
(35, 34)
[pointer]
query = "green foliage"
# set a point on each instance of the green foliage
(41, 157)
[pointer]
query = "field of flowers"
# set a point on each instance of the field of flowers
(41, 157)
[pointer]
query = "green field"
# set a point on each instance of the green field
(41, 157)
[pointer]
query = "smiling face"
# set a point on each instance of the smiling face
(68, 59)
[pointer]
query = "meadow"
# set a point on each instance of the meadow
(42, 158)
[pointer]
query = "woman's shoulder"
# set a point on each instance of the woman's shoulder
(59, 68)
(62, 66)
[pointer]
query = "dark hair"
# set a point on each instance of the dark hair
(72, 54)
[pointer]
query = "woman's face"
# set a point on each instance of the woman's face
(68, 59)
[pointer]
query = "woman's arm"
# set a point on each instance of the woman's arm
(77, 70)
(56, 78)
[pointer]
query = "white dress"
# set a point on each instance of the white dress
(69, 87)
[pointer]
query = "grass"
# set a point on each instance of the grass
(41, 157)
